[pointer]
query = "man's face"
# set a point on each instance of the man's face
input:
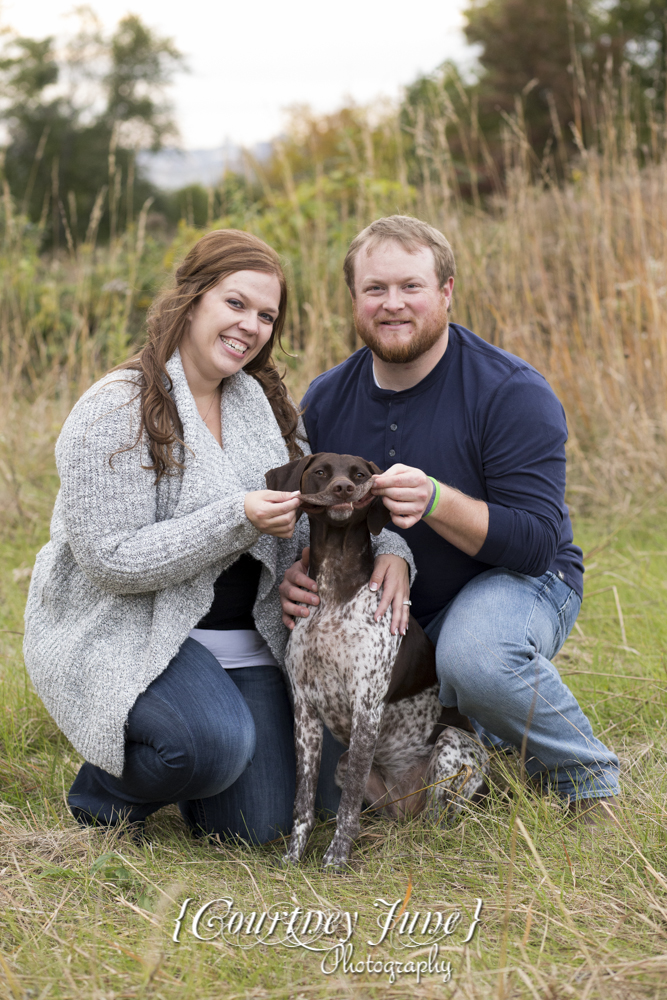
(400, 311)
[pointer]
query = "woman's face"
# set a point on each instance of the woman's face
(230, 324)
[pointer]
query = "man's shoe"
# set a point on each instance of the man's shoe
(594, 812)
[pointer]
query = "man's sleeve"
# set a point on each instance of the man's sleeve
(523, 454)
(309, 410)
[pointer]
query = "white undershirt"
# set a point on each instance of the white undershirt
(375, 379)
(235, 647)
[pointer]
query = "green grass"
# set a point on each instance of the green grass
(565, 913)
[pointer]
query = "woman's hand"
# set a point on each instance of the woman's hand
(272, 512)
(392, 574)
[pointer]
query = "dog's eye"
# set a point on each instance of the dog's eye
(319, 472)
(360, 475)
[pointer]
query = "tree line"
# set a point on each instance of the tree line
(76, 114)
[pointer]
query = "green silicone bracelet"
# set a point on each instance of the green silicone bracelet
(435, 499)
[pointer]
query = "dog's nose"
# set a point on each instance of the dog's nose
(341, 487)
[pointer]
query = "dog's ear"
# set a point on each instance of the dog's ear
(287, 478)
(377, 516)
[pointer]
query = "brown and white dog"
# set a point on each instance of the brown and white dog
(376, 692)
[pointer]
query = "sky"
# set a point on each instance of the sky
(249, 60)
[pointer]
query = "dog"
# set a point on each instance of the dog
(377, 693)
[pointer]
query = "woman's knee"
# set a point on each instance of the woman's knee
(224, 753)
(188, 751)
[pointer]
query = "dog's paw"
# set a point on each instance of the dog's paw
(289, 861)
(337, 854)
(334, 865)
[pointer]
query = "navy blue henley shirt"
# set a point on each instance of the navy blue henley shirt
(482, 421)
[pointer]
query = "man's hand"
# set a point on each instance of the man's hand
(296, 589)
(272, 512)
(390, 572)
(407, 493)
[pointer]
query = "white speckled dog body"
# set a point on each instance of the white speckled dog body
(340, 660)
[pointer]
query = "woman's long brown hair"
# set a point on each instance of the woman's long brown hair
(213, 257)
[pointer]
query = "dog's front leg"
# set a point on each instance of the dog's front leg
(308, 746)
(363, 739)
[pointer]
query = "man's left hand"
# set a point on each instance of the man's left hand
(407, 493)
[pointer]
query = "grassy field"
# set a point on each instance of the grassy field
(573, 277)
(565, 913)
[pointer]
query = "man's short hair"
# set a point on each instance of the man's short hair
(411, 234)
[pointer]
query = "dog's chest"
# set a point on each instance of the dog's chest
(341, 659)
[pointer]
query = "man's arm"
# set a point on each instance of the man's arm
(522, 452)
(459, 519)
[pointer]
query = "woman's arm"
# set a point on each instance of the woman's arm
(110, 508)
(390, 543)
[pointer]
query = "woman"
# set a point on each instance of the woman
(153, 624)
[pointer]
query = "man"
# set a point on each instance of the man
(473, 440)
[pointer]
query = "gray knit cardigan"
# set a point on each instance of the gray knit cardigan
(130, 566)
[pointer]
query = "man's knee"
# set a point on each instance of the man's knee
(478, 649)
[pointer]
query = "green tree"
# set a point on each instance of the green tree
(538, 51)
(541, 67)
(57, 160)
(641, 27)
(142, 65)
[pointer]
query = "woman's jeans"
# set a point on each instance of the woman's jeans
(494, 642)
(220, 743)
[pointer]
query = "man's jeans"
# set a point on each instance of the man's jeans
(494, 642)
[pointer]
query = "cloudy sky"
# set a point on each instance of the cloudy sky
(251, 60)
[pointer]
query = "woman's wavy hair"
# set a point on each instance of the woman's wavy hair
(213, 257)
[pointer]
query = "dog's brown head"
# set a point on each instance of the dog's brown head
(333, 487)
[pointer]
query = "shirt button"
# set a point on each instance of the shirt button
(392, 452)
(393, 427)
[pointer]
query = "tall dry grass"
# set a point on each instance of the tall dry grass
(570, 275)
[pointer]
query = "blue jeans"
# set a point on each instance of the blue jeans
(219, 743)
(494, 642)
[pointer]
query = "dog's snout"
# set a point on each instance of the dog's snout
(341, 487)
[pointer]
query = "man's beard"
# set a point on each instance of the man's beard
(401, 354)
